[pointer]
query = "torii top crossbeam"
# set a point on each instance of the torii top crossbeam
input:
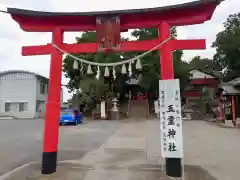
(176, 15)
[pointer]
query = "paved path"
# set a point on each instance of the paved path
(133, 153)
(214, 148)
(21, 140)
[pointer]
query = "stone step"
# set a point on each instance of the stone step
(139, 108)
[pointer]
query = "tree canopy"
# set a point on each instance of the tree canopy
(151, 63)
(227, 46)
(204, 64)
(150, 73)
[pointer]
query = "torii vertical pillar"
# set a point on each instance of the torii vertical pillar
(50, 144)
(173, 165)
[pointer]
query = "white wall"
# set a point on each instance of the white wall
(18, 87)
(39, 96)
(199, 75)
(43, 98)
(61, 97)
(40, 113)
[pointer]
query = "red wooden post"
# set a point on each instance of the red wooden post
(221, 111)
(49, 158)
(173, 165)
(166, 62)
(233, 111)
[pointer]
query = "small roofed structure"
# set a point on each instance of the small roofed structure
(230, 100)
(200, 81)
(134, 89)
(228, 89)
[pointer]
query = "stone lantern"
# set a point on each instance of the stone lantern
(114, 112)
(114, 102)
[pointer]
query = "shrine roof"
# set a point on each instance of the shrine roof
(229, 90)
(181, 14)
(213, 74)
(16, 11)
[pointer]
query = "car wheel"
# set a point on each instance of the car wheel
(60, 124)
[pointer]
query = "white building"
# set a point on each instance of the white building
(23, 94)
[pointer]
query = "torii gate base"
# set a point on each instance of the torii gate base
(184, 14)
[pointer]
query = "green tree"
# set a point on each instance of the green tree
(204, 65)
(80, 79)
(227, 46)
(149, 74)
(151, 63)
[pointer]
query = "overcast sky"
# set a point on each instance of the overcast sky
(12, 37)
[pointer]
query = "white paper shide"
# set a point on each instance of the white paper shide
(170, 119)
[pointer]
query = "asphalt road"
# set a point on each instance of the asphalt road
(21, 140)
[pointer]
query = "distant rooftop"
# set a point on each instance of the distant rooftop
(230, 87)
(22, 71)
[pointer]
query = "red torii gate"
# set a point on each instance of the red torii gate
(163, 18)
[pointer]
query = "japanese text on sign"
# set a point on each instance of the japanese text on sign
(170, 119)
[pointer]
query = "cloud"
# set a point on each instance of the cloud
(12, 38)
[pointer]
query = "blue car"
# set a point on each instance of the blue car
(69, 116)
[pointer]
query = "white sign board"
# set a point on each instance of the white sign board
(156, 106)
(170, 119)
(103, 110)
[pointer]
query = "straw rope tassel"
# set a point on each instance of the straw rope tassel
(106, 73)
(130, 69)
(64, 56)
(81, 69)
(75, 65)
(89, 70)
(138, 64)
(124, 70)
(114, 73)
(98, 73)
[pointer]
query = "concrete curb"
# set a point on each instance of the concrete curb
(17, 169)
(75, 163)
(226, 125)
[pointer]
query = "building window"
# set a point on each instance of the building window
(23, 107)
(42, 88)
(7, 107)
(40, 106)
(37, 106)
